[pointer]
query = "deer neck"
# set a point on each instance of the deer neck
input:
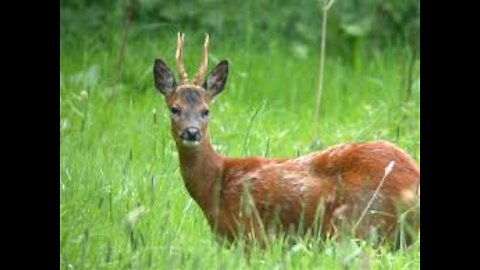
(201, 169)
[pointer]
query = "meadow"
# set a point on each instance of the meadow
(123, 204)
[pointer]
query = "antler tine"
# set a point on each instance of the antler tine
(179, 56)
(203, 63)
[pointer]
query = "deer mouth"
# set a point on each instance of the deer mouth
(190, 143)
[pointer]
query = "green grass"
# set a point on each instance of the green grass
(115, 157)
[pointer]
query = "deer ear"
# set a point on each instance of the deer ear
(217, 79)
(164, 79)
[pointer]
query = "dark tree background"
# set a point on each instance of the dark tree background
(355, 27)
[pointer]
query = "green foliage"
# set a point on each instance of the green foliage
(117, 155)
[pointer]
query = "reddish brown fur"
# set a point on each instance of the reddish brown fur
(343, 177)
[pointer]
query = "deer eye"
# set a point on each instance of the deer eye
(205, 113)
(175, 110)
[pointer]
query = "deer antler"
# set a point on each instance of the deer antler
(198, 80)
(179, 57)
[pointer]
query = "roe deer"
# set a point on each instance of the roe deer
(359, 184)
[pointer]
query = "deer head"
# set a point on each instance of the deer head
(189, 101)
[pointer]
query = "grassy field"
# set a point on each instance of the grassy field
(123, 202)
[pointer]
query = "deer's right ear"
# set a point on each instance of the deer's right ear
(217, 79)
(164, 78)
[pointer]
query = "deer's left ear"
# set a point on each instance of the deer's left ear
(164, 79)
(215, 82)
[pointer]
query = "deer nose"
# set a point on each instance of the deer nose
(191, 134)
